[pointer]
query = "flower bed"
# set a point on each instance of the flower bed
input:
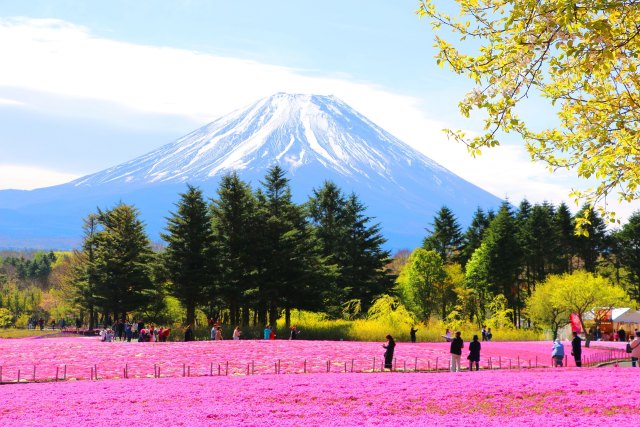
(549, 397)
(84, 358)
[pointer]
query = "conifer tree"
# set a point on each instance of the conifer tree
(235, 230)
(123, 261)
(189, 258)
(594, 240)
(472, 238)
(445, 236)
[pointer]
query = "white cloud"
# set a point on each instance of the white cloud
(28, 177)
(60, 58)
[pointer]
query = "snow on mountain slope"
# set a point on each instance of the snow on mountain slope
(292, 130)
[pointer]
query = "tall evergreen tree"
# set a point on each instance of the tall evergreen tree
(445, 236)
(284, 237)
(472, 238)
(628, 252)
(235, 230)
(589, 247)
(566, 239)
(538, 236)
(363, 270)
(123, 261)
(505, 256)
(189, 257)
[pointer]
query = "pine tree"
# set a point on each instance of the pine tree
(189, 258)
(235, 230)
(445, 236)
(363, 269)
(282, 232)
(591, 245)
(628, 252)
(123, 261)
(505, 256)
(472, 238)
(565, 225)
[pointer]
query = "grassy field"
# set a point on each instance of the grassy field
(25, 333)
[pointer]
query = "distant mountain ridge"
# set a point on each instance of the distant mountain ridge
(313, 137)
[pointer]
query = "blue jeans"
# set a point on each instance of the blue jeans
(633, 362)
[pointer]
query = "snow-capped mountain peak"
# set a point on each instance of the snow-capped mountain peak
(293, 130)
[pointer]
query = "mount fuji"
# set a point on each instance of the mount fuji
(315, 138)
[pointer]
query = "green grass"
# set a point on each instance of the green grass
(25, 333)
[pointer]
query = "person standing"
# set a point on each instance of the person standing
(188, 334)
(635, 349)
(219, 333)
(412, 334)
(294, 333)
(557, 353)
(236, 333)
(484, 333)
(267, 332)
(474, 353)
(456, 352)
(576, 349)
(388, 354)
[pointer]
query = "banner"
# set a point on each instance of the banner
(575, 323)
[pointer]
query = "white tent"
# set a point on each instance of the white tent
(625, 315)
(617, 315)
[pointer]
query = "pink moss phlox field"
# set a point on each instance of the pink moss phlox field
(544, 397)
(255, 357)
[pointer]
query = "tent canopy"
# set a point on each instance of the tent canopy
(617, 315)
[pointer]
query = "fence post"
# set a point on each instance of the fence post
(0, 374)
(345, 367)
(218, 369)
(351, 365)
(405, 365)
(253, 367)
(305, 366)
(95, 371)
(509, 364)
(34, 373)
(278, 366)
(328, 366)
(57, 368)
(247, 368)
(188, 371)
(184, 369)
(415, 366)
(374, 365)
(18, 375)
(436, 363)
(518, 361)
(226, 371)
(211, 369)
(536, 361)
(65, 373)
(126, 370)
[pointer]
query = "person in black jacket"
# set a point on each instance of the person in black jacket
(388, 354)
(188, 334)
(474, 353)
(456, 352)
(576, 349)
(412, 334)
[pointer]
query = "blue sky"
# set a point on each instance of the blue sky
(85, 85)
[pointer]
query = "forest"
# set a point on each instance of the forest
(253, 256)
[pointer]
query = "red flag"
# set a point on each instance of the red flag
(575, 323)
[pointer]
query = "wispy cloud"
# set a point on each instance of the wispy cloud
(29, 177)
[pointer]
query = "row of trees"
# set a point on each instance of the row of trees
(496, 264)
(250, 254)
